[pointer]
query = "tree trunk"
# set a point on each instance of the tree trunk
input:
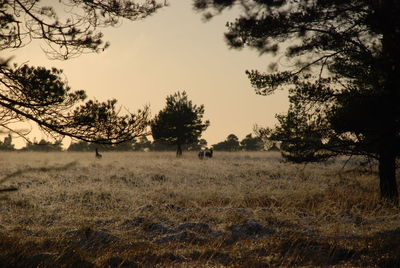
(387, 175)
(179, 151)
(388, 149)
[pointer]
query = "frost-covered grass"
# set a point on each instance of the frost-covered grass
(237, 209)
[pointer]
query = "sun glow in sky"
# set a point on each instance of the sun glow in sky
(173, 50)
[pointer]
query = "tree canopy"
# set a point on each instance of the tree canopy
(250, 143)
(179, 123)
(69, 28)
(342, 68)
(230, 144)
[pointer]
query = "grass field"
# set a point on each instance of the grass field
(152, 209)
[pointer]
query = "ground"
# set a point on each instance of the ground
(153, 209)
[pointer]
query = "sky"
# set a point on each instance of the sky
(172, 50)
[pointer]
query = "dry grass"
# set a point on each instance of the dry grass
(151, 209)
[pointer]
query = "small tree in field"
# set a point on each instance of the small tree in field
(179, 123)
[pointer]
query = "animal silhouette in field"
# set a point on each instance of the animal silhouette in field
(205, 153)
(209, 153)
(201, 154)
(98, 155)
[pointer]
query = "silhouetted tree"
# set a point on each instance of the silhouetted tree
(7, 144)
(230, 144)
(345, 86)
(250, 143)
(42, 96)
(69, 27)
(179, 123)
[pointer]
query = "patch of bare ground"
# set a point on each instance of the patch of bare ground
(151, 209)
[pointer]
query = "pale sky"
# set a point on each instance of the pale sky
(173, 50)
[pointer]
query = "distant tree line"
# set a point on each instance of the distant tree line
(38, 146)
(249, 143)
(43, 146)
(143, 144)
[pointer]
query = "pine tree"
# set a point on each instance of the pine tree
(179, 123)
(344, 80)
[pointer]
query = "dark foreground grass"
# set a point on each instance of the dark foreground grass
(88, 250)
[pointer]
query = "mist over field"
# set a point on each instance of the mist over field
(244, 209)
